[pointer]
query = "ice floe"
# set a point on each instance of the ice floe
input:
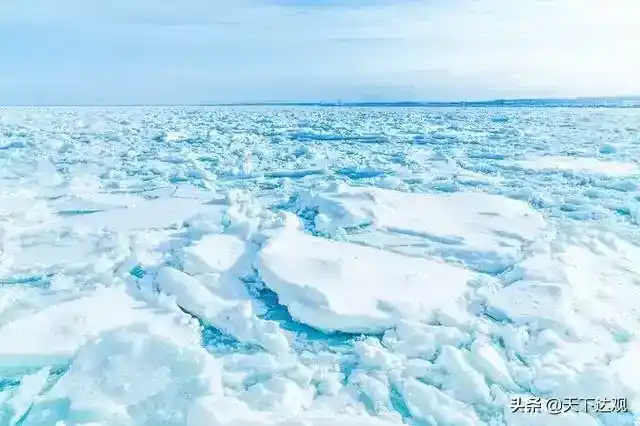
(577, 164)
(346, 287)
(52, 336)
(147, 214)
(231, 316)
(216, 253)
(130, 376)
(482, 230)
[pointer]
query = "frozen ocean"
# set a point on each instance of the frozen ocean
(318, 266)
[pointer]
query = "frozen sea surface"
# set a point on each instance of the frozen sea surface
(317, 266)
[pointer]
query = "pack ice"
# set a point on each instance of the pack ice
(196, 266)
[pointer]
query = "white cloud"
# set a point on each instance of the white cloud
(197, 50)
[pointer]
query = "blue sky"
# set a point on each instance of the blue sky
(192, 51)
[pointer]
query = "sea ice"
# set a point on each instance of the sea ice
(340, 286)
(130, 376)
(481, 255)
(93, 202)
(429, 404)
(214, 253)
(45, 256)
(580, 164)
(215, 411)
(231, 316)
(20, 403)
(148, 214)
(526, 302)
(486, 231)
(51, 336)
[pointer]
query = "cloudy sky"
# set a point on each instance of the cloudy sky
(193, 51)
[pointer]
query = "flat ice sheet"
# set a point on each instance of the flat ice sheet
(51, 336)
(345, 287)
(216, 253)
(482, 230)
(580, 164)
(147, 214)
(94, 202)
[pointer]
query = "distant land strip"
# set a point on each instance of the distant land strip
(541, 103)
(591, 102)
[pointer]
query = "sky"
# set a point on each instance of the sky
(218, 51)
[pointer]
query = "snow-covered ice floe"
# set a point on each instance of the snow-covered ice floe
(52, 336)
(317, 266)
(481, 230)
(338, 286)
(577, 164)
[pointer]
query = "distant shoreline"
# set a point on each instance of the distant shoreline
(617, 102)
(544, 103)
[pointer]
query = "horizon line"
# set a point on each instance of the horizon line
(578, 101)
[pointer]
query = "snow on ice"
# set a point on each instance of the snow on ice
(586, 165)
(488, 231)
(337, 286)
(316, 266)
